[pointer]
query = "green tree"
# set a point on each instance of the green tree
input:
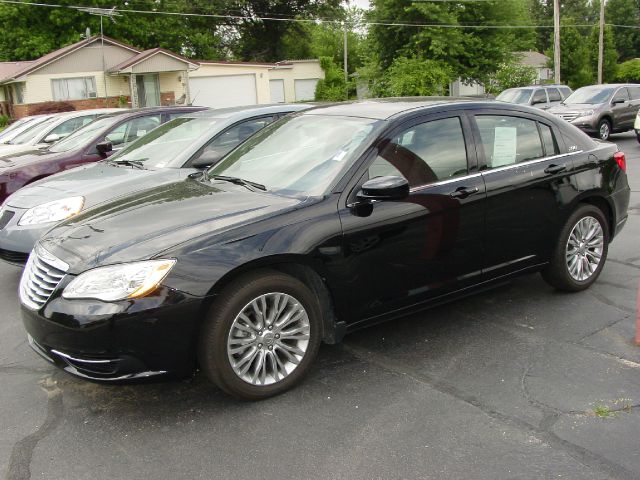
(610, 54)
(627, 40)
(332, 88)
(575, 61)
(471, 53)
(416, 76)
(511, 75)
(629, 71)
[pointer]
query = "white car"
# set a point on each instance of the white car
(53, 128)
(636, 126)
(19, 126)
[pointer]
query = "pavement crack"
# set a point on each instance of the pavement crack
(622, 262)
(603, 299)
(22, 453)
(544, 431)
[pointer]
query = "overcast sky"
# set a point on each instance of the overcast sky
(360, 3)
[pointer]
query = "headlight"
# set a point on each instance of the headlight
(55, 211)
(588, 113)
(118, 282)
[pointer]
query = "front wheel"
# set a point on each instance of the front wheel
(604, 129)
(261, 336)
(581, 251)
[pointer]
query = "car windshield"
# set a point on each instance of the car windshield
(32, 132)
(167, 142)
(515, 95)
(590, 95)
(82, 135)
(15, 125)
(303, 154)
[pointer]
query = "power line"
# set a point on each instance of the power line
(306, 20)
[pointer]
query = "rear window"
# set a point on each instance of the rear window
(508, 140)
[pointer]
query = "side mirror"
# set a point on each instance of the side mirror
(617, 101)
(207, 159)
(54, 137)
(385, 188)
(104, 147)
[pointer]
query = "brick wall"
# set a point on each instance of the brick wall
(167, 98)
(19, 111)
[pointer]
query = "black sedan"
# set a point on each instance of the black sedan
(322, 223)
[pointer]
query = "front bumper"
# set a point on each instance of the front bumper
(121, 341)
(586, 124)
(16, 242)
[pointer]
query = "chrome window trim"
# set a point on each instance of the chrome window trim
(484, 172)
(530, 162)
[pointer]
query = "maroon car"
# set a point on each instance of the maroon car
(94, 142)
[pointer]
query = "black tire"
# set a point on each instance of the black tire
(604, 129)
(557, 272)
(212, 343)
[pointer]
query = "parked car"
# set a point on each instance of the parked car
(21, 125)
(91, 143)
(537, 96)
(636, 126)
(322, 223)
(51, 130)
(179, 148)
(601, 109)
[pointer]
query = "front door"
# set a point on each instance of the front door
(402, 253)
(527, 181)
(148, 87)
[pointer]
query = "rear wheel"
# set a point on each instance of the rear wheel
(261, 336)
(581, 251)
(604, 129)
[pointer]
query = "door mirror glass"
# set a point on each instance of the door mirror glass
(385, 188)
(104, 147)
(54, 137)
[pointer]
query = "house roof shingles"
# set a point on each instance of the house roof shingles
(533, 59)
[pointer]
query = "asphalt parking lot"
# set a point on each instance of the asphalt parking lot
(521, 382)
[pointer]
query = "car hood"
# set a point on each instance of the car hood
(23, 159)
(8, 149)
(146, 224)
(574, 107)
(97, 183)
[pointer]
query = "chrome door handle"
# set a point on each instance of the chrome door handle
(464, 192)
(553, 169)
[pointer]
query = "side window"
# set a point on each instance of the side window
(539, 97)
(549, 141)
(231, 138)
(172, 115)
(621, 94)
(634, 92)
(71, 125)
(565, 91)
(508, 140)
(424, 153)
(554, 95)
(131, 130)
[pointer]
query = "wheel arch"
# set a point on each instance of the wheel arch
(605, 206)
(302, 269)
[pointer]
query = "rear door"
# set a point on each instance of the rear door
(402, 253)
(527, 181)
(623, 110)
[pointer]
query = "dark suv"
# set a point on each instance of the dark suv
(91, 143)
(319, 224)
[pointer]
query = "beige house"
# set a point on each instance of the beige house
(99, 72)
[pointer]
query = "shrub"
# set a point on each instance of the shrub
(629, 72)
(511, 75)
(415, 76)
(52, 107)
(4, 121)
(332, 87)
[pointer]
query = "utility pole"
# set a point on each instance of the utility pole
(346, 71)
(601, 43)
(556, 41)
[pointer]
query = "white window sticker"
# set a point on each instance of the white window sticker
(504, 146)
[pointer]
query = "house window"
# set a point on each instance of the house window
(74, 88)
(18, 92)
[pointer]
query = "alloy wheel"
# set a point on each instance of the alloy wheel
(584, 248)
(268, 339)
(604, 131)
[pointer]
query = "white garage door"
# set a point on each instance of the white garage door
(305, 89)
(277, 91)
(223, 91)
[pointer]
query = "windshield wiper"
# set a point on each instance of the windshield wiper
(240, 181)
(132, 163)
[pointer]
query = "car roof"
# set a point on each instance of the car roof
(141, 111)
(386, 108)
(249, 110)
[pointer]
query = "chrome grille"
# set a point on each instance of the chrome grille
(40, 278)
(568, 116)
